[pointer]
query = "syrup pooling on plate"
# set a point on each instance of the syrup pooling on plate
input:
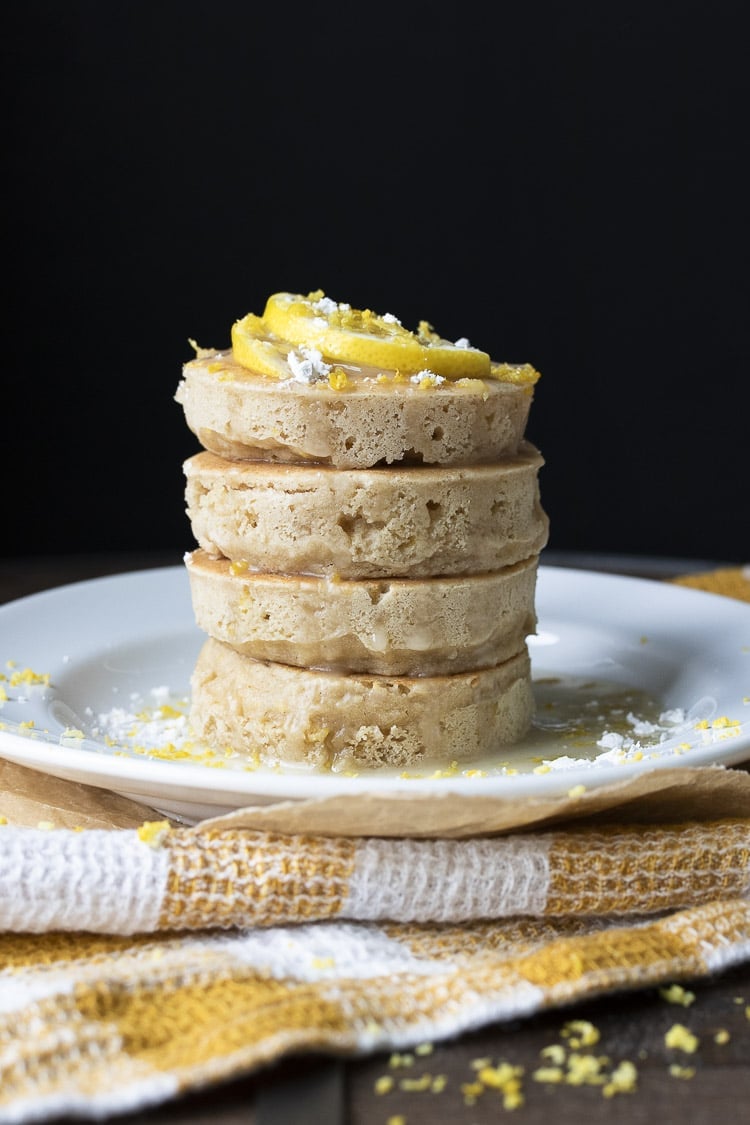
(578, 722)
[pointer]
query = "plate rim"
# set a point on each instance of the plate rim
(125, 773)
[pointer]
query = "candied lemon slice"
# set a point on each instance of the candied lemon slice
(254, 348)
(360, 336)
(522, 374)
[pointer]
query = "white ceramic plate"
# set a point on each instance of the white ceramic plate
(110, 642)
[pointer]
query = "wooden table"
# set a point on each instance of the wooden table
(322, 1091)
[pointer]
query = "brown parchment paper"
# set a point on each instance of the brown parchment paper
(29, 798)
(657, 796)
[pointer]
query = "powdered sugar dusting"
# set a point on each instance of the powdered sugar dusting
(307, 365)
(157, 725)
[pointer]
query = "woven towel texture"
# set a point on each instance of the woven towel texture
(730, 581)
(136, 965)
(114, 883)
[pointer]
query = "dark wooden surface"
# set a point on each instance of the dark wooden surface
(322, 1091)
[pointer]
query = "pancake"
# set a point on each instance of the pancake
(239, 414)
(413, 522)
(277, 714)
(393, 627)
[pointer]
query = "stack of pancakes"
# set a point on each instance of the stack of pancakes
(368, 542)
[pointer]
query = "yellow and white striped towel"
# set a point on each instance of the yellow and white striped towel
(138, 964)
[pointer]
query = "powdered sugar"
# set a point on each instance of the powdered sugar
(307, 365)
(325, 306)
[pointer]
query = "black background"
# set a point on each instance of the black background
(562, 183)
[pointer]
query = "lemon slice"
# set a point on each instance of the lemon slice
(360, 336)
(254, 348)
(522, 374)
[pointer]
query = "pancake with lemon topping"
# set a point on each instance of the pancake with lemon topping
(368, 520)
(314, 380)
